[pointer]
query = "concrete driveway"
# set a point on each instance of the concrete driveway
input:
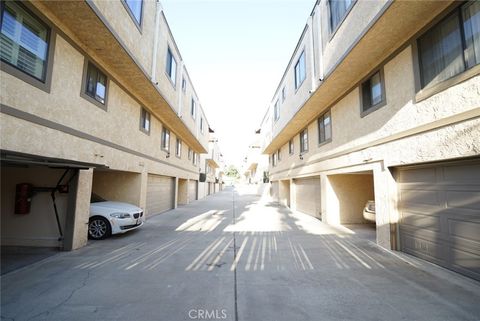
(232, 256)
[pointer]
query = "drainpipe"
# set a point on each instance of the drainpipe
(320, 47)
(180, 92)
(159, 10)
(312, 60)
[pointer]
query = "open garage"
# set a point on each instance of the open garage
(347, 196)
(439, 206)
(120, 186)
(160, 194)
(192, 190)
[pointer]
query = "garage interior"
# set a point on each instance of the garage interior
(117, 186)
(182, 198)
(347, 195)
(44, 202)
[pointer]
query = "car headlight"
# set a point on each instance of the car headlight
(120, 215)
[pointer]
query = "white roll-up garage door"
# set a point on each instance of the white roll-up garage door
(160, 194)
(307, 195)
(440, 214)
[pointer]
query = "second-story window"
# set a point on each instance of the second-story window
(324, 128)
(171, 67)
(451, 46)
(165, 139)
(300, 72)
(96, 83)
(195, 160)
(276, 111)
(290, 147)
(338, 10)
(193, 108)
(373, 92)
(178, 148)
(24, 40)
(134, 8)
(284, 94)
(304, 141)
(279, 156)
(184, 85)
(189, 153)
(145, 121)
(201, 125)
(274, 159)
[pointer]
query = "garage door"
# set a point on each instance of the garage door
(274, 191)
(307, 195)
(192, 190)
(440, 215)
(160, 191)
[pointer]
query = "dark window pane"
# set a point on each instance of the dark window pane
(471, 17)
(135, 7)
(441, 52)
(338, 9)
(321, 130)
(24, 41)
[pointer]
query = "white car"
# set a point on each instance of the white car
(369, 211)
(107, 218)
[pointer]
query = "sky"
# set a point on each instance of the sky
(236, 52)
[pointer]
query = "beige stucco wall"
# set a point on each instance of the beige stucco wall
(119, 124)
(139, 43)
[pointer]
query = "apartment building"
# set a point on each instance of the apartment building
(380, 101)
(255, 165)
(95, 97)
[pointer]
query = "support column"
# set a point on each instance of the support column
(76, 231)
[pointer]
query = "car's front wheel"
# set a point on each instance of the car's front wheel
(98, 228)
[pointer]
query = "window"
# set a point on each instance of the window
(189, 153)
(324, 128)
(284, 94)
(178, 148)
(145, 121)
(274, 159)
(304, 141)
(300, 70)
(193, 109)
(165, 139)
(442, 53)
(171, 67)
(276, 111)
(134, 8)
(338, 10)
(24, 40)
(290, 147)
(95, 84)
(195, 160)
(184, 85)
(201, 125)
(279, 158)
(373, 92)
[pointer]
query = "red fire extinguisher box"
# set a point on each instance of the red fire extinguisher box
(23, 198)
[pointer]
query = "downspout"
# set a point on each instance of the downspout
(320, 47)
(180, 92)
(159, 10)
(312, 60)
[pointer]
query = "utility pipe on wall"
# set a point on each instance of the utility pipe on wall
(159, 10)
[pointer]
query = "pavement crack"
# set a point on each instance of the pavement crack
(50, 310)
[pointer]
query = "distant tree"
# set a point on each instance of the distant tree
(232, 172)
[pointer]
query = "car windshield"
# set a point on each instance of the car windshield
(94, 198)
